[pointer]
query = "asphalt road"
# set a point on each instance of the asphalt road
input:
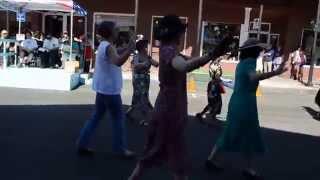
(39, 128)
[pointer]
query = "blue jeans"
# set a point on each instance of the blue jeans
(113, 104)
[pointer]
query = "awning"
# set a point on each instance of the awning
(43, 5)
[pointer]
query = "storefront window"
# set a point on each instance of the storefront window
(307, 45)
(213, 34)
(124, 22)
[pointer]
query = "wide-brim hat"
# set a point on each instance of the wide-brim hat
(253, 42)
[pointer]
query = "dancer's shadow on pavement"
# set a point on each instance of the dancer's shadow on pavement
(315, 114)
(38, 143)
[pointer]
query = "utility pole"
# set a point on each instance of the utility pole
(313, 60)
(199, 30)
(260, 20)
(136, 14)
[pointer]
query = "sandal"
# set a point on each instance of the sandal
(144, 123)
(199, 117)
(251, 175)
(85, 152)
(212, 166)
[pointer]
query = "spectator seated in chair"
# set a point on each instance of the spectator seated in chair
(27, 49)
(50, 53)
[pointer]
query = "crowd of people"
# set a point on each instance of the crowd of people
(270, 59)
(47, 51)
(166, 143)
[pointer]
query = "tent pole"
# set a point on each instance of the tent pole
(7, 21)
(85, 25)
(260, 21)
(19, 31)
(43, 28)
(71, 35)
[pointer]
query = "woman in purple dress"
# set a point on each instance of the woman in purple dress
(165, 137)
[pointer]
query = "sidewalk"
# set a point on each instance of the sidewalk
(285, 83)
(273, 83)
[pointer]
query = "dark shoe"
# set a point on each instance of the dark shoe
(211, 166)
(144, 123)
(251, 175)
(85, 152)
(128, 114)
(127, 155)
(199, 117)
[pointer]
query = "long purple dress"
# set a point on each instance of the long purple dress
(165, 136)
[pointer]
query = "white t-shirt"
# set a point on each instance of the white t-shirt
(296, 57)
(29, 44)
(259, 67)
(107, 78)
(51, 44)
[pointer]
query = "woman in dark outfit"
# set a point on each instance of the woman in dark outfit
(141, 64)
(165, 137)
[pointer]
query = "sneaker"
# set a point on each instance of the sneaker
(144, 123)
(199, 116)
(127, 155)
(211, 166)
(251, 175)
(85, 152)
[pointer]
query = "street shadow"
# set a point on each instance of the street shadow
(312, 112)
(38, 142)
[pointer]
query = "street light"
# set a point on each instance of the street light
(316, 29)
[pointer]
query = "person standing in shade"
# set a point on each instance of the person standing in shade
(8, 47)
(260, 62)
(242, 130)
(296, 63)
(278, 58)
(107, 83)
(268, 59)
(141, 65)
(165, 137)
(303, 61)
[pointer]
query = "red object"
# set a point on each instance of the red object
(88, 53)
(222, 90)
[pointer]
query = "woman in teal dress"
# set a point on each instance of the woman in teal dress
(242, 130)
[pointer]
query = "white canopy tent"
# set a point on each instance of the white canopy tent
(66, 6)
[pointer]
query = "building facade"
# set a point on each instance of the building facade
(287, 20)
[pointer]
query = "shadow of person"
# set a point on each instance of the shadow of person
(315, 114)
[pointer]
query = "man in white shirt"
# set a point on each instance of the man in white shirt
(27, 48)
(50, 52)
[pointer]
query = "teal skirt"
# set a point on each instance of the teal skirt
(242, 132)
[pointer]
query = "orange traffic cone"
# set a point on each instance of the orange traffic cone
(191, 85)
(259, 92)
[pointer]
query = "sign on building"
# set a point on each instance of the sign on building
(21, 16)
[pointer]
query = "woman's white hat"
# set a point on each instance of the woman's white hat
(253, 42)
